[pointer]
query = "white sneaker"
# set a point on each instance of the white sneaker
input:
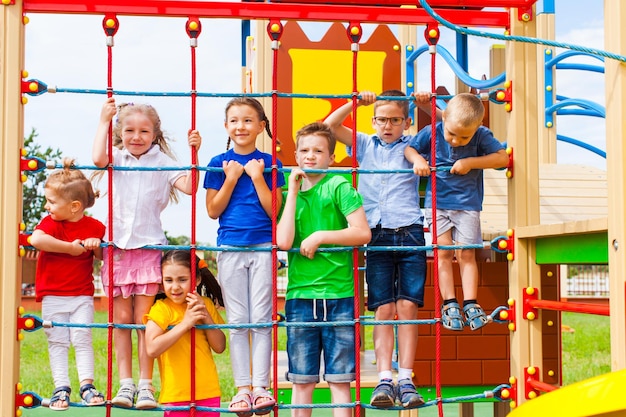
(145, 398)
(125, 396)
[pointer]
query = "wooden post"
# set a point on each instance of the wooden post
(11, 140)
(615, 79)
(409, 413)
(466, 410)
(523, 191)
(497, 114)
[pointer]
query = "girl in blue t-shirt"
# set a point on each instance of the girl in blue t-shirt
(240, 196)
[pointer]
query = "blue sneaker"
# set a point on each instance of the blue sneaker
(384, 395)
(451, 317)
(475, 316)
(408, 395)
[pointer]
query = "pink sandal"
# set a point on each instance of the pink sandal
(241, 397)
(262, 401)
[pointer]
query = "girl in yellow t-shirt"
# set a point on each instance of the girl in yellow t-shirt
(184, 308)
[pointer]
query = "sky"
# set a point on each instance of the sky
(152, 54)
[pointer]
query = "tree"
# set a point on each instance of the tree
(34, 200)
(181, 240)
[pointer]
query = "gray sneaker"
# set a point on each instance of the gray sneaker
(145, 398)
(384, 395)
(408, 395)
(125, 396)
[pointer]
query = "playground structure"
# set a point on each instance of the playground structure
(534, 152)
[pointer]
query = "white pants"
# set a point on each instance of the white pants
(246, 281)
(76, 310)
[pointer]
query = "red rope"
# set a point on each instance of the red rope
(194, 181)
(433, 189)
(274, 219)
(110, 327)
(355, 251)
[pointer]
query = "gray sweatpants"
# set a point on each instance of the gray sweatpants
(246, 281)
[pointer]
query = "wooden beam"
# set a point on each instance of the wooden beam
(615, 82)
(11, 140)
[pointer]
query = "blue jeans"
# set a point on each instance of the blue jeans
(396, 275)
(306, 344)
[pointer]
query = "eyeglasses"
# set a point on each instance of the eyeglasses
(382, 121)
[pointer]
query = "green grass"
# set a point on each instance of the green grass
(587, 350)
(586, 353)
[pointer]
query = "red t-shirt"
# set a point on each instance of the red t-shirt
(62, 274)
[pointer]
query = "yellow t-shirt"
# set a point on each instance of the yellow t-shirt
(175, 363)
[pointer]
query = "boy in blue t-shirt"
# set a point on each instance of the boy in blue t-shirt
(468, 148)
(395, 280)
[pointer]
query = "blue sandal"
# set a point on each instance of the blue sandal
(451, 317)
(60, 394)
(88, 392)
(475, 316)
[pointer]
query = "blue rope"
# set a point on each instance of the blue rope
(494, 393)
(53, 165)
(332, 249)
(525, 39)
(364, 320)
(212, 95)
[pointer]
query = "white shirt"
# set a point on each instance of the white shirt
(139, 197)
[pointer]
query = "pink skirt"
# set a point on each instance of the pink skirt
(136, 272)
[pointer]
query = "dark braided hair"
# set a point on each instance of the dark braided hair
(206, 283)
(256, 105)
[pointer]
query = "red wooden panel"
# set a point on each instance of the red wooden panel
(423, 371)
(483, 347)
(426, 348)
(495, 372)
(461, 373)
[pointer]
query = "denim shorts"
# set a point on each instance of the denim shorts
(306, 344)
(392, 276)
(465, 225)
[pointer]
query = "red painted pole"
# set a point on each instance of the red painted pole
(571, 307)
(541, 386)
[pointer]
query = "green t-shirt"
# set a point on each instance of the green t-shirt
(329, 274)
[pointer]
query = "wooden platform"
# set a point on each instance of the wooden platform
(573, 198)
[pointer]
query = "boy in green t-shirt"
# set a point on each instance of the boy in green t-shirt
(320, 211)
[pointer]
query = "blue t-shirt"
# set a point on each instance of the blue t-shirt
(243, 222)
(456, 192)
